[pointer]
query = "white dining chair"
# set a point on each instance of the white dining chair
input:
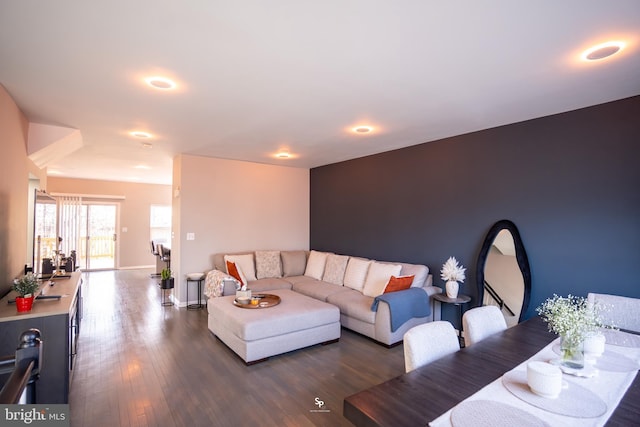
(480, 322)
(428, 342)
(621, 312)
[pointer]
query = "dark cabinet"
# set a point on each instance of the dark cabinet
(59, 325)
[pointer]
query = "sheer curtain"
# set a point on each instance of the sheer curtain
(70, 215)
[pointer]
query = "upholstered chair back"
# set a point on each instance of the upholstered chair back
(428, 342)
(480, 322)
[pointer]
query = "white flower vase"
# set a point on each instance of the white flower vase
(452, 289)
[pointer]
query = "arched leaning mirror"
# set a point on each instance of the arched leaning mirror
(502, 272)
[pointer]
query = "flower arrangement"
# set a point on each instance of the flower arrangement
(571, 317)
(451, 271)
(26, 285)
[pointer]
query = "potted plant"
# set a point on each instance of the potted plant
(26, 287)
(166, 281)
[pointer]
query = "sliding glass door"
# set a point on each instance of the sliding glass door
(98, 225)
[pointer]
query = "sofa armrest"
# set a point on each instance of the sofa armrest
(382, 324)
(436, 309)
(432, 290)
(428, 281)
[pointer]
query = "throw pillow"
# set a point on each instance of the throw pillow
(356, 273)
(315, 264)
(293, 263)
(335, 268)
(378, 276)
(398, 283)
(268, 264)
(245, 263)
(234, 271)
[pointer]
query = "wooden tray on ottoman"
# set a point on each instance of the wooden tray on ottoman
(266, 301)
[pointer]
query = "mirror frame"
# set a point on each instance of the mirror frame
(41, 197)
(521, 258)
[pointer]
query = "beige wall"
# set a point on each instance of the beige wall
(232, 206)
(15, 168)
(134, 212)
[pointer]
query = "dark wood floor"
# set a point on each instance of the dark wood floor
(140, 364)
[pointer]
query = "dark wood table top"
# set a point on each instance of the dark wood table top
(422, 395)
(461, 299)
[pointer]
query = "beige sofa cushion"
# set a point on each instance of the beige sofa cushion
(335, 268)
(356, 273)
(318, 289)
(293, 263)
(378, 276)
(353, 304)
(421, 272)
(316, 264)
(268, 264)
(268, 284)
(244, 262)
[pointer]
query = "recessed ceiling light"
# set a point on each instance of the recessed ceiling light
(140, 134)
(283, 155)
(603, 50)
(147, 145)
(160, 83)
(362, 129)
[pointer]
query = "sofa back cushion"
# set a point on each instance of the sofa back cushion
(315, 264)
(356, 273)
(219, 262)
(378, 276)
(293, 263)
(421, 272)
(245, 263)
(268, 264)
(335, 268)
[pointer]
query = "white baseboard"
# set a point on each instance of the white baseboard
(136, 267)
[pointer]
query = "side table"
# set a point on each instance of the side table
(195, 277)
(459, 302)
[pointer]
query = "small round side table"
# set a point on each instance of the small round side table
(459, 302)
(195, 277)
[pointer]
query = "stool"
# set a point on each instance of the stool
(195, 277)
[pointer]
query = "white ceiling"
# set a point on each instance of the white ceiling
(259, 76)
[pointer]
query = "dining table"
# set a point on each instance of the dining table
(423, 395)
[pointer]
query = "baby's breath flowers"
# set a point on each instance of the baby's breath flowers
(570, 317)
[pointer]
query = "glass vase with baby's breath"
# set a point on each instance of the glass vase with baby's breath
(572, 318)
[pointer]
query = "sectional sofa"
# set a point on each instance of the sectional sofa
(350, 283)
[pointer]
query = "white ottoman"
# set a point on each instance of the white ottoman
(256, 334)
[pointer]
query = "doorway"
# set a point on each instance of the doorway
(98, 236)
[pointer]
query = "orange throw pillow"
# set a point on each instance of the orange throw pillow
(398, 283)
(233, 271)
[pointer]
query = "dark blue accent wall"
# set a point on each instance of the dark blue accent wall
(570, 182)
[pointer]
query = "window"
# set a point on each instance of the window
(161, 224)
